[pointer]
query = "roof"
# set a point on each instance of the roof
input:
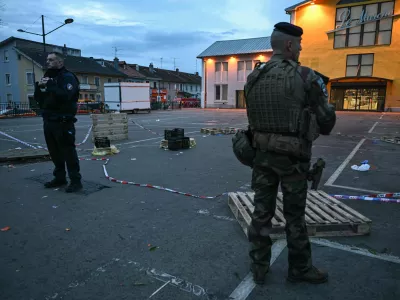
(242, 46)
(76, 64)
(293, 7)
(343, 2)
(124, 68)
(168, 75)
(12, 38)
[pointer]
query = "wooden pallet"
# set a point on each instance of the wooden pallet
(325, 215)
(109, 119)
(214, 131)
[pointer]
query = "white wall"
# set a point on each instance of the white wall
(211, 78)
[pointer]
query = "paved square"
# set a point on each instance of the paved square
(194, 245)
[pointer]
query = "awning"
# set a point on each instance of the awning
(360, 81)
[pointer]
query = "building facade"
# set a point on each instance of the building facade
(355, 43)
(18, 71)
(225, 66)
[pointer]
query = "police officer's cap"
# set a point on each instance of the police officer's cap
(289, 29)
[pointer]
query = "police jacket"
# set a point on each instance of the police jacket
(60, 95)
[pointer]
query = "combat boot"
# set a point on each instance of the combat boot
(74, 187)
(55, 183)
(259, 274)
(313, 275)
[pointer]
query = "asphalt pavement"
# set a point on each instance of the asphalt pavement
(117, 241)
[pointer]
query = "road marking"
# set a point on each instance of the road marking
(159, 289)
(247, 285)
(206, 212)
(339, 170)
(356, 250)
(355, 189)
(373, 127)
(380, 118)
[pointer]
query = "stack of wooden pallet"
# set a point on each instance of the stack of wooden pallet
(113, 125)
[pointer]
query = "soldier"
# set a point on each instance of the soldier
(287, 108)
(57, 94)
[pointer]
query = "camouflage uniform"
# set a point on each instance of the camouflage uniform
(275, 105)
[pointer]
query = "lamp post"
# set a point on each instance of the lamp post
(43, 35)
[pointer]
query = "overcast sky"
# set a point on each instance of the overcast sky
(143, 30)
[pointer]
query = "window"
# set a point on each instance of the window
(98, 97)
(97, 81)
(244, 68)
(364, 33)
(109, 80)
(8, 79)
(84, 79)
(6, 58)
(359, 65)
(221, 92)
(191, 88)
(29, 78)
(221, 71)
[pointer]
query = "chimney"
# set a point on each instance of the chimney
(137, 68)
(116, 63)
(151, 68)
(197, 73)
(64, 50)
(177, 70)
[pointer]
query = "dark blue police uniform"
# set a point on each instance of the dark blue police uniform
(59, 106)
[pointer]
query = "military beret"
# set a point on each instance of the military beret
(289, 29)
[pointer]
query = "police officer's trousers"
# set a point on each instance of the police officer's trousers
(269, 170)
(60, 140)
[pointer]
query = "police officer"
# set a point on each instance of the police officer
(287, 108)
(57, 94)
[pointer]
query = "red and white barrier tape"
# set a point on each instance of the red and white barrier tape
(86, 137)
(112, 179)
(18, 140)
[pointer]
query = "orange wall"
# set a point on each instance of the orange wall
(318, 52)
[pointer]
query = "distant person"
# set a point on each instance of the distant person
(57, 94)
(287, 108)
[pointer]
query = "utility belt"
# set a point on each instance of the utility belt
(60, 119)
(289, 144)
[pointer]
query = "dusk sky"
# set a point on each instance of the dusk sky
(144, 31)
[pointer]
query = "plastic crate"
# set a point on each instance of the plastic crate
(174, 133)
(102, 142)
(174, 144)
(186, 143)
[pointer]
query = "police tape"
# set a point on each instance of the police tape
(149, 130)
(389, 195)
(17, 140)
(346, 197)
(112, 179)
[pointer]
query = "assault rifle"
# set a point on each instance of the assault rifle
(315, 173)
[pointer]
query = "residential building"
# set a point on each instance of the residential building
(355, 43)
(17, 71)
(226, 65)
(122, 66)
(167, 85)
(22, 66)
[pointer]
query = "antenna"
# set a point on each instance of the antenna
(174, 63)
(196, 65)
(161, 62)
(116, 49)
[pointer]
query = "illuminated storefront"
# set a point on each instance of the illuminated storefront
(356, 43)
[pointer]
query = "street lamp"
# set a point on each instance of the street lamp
(43, 35)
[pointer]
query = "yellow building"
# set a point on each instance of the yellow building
(356, 43)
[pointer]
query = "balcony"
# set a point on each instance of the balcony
(88, 87)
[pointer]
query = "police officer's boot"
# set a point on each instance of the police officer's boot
(55, 183)
(313, 275)
(74, 187)
(259, 273)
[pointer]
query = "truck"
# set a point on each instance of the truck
(127, 96)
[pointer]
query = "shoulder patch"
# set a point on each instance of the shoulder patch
(322, 86)
(69, 87)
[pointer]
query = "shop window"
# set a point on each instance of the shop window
(359, 65)
(221, 92)
(367, 33)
